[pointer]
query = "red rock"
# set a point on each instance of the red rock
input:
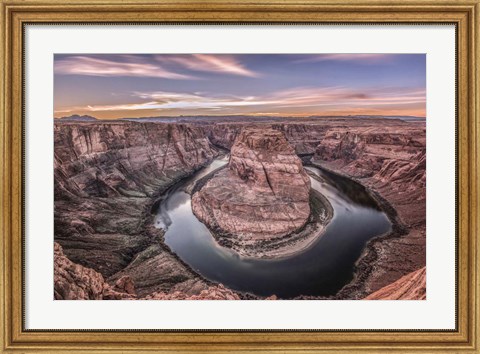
(107, 175)
(409, 287)
(211, 293)
(263, 194)
(75, 282)
(273, 297)
(125, 284)
(388, 157)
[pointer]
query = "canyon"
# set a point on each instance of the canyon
(111, 176)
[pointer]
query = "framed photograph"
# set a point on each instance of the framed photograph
(294, 176)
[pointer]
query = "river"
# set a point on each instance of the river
(320, 270)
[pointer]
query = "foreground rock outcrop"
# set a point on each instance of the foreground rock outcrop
(263, 194)
(76, 282)
(218, 292)
(409, 287)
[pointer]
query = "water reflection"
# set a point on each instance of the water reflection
(322, 269)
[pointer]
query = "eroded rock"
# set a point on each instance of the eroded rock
(409, 287)
(388, 157)
(75, 282)
(106, 176)
(263, 194)
(218, 292)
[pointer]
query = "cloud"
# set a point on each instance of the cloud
(360, 58)
(89, 66)
(306, 98)
(160, 100)
(223, 63)
(311, 97)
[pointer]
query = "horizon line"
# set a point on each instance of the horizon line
(245, 115)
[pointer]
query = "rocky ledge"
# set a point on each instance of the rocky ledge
(75, 282)
(262, 196)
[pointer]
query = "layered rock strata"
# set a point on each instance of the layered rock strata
(76, 282)
(409, 287)
(263, 194)
(304, 137)
(107, 175)
(390, 159)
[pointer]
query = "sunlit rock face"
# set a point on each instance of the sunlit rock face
(262, 194)
(75, 282)
(410, 287)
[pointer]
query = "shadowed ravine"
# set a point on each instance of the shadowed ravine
(320, 270)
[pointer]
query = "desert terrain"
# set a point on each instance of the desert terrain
(263, 190)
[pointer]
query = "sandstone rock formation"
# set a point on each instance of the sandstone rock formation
(218, 292)
(409, 287)
(107, 175)
(75, 282)
(263, 194)
(389, 157)
(304, 137)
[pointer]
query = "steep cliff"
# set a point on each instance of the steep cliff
(107, 174)
(390, 159)
(106, 178)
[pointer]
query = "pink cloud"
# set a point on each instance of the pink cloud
(209, 63)
(315, 100)
(83, 65)
(363, 58)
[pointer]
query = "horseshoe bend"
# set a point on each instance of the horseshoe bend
(201, 209)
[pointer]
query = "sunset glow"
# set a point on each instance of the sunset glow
(109, 86)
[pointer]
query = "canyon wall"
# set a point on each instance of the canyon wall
(304, 137)
(390, 159)
(106, 178)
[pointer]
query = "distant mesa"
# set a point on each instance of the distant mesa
(262, 195)
(78, 118)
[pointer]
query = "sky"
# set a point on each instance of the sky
(110, 86)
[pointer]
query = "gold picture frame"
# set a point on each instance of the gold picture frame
(464, 14)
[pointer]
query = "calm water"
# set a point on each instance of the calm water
(322, 269)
